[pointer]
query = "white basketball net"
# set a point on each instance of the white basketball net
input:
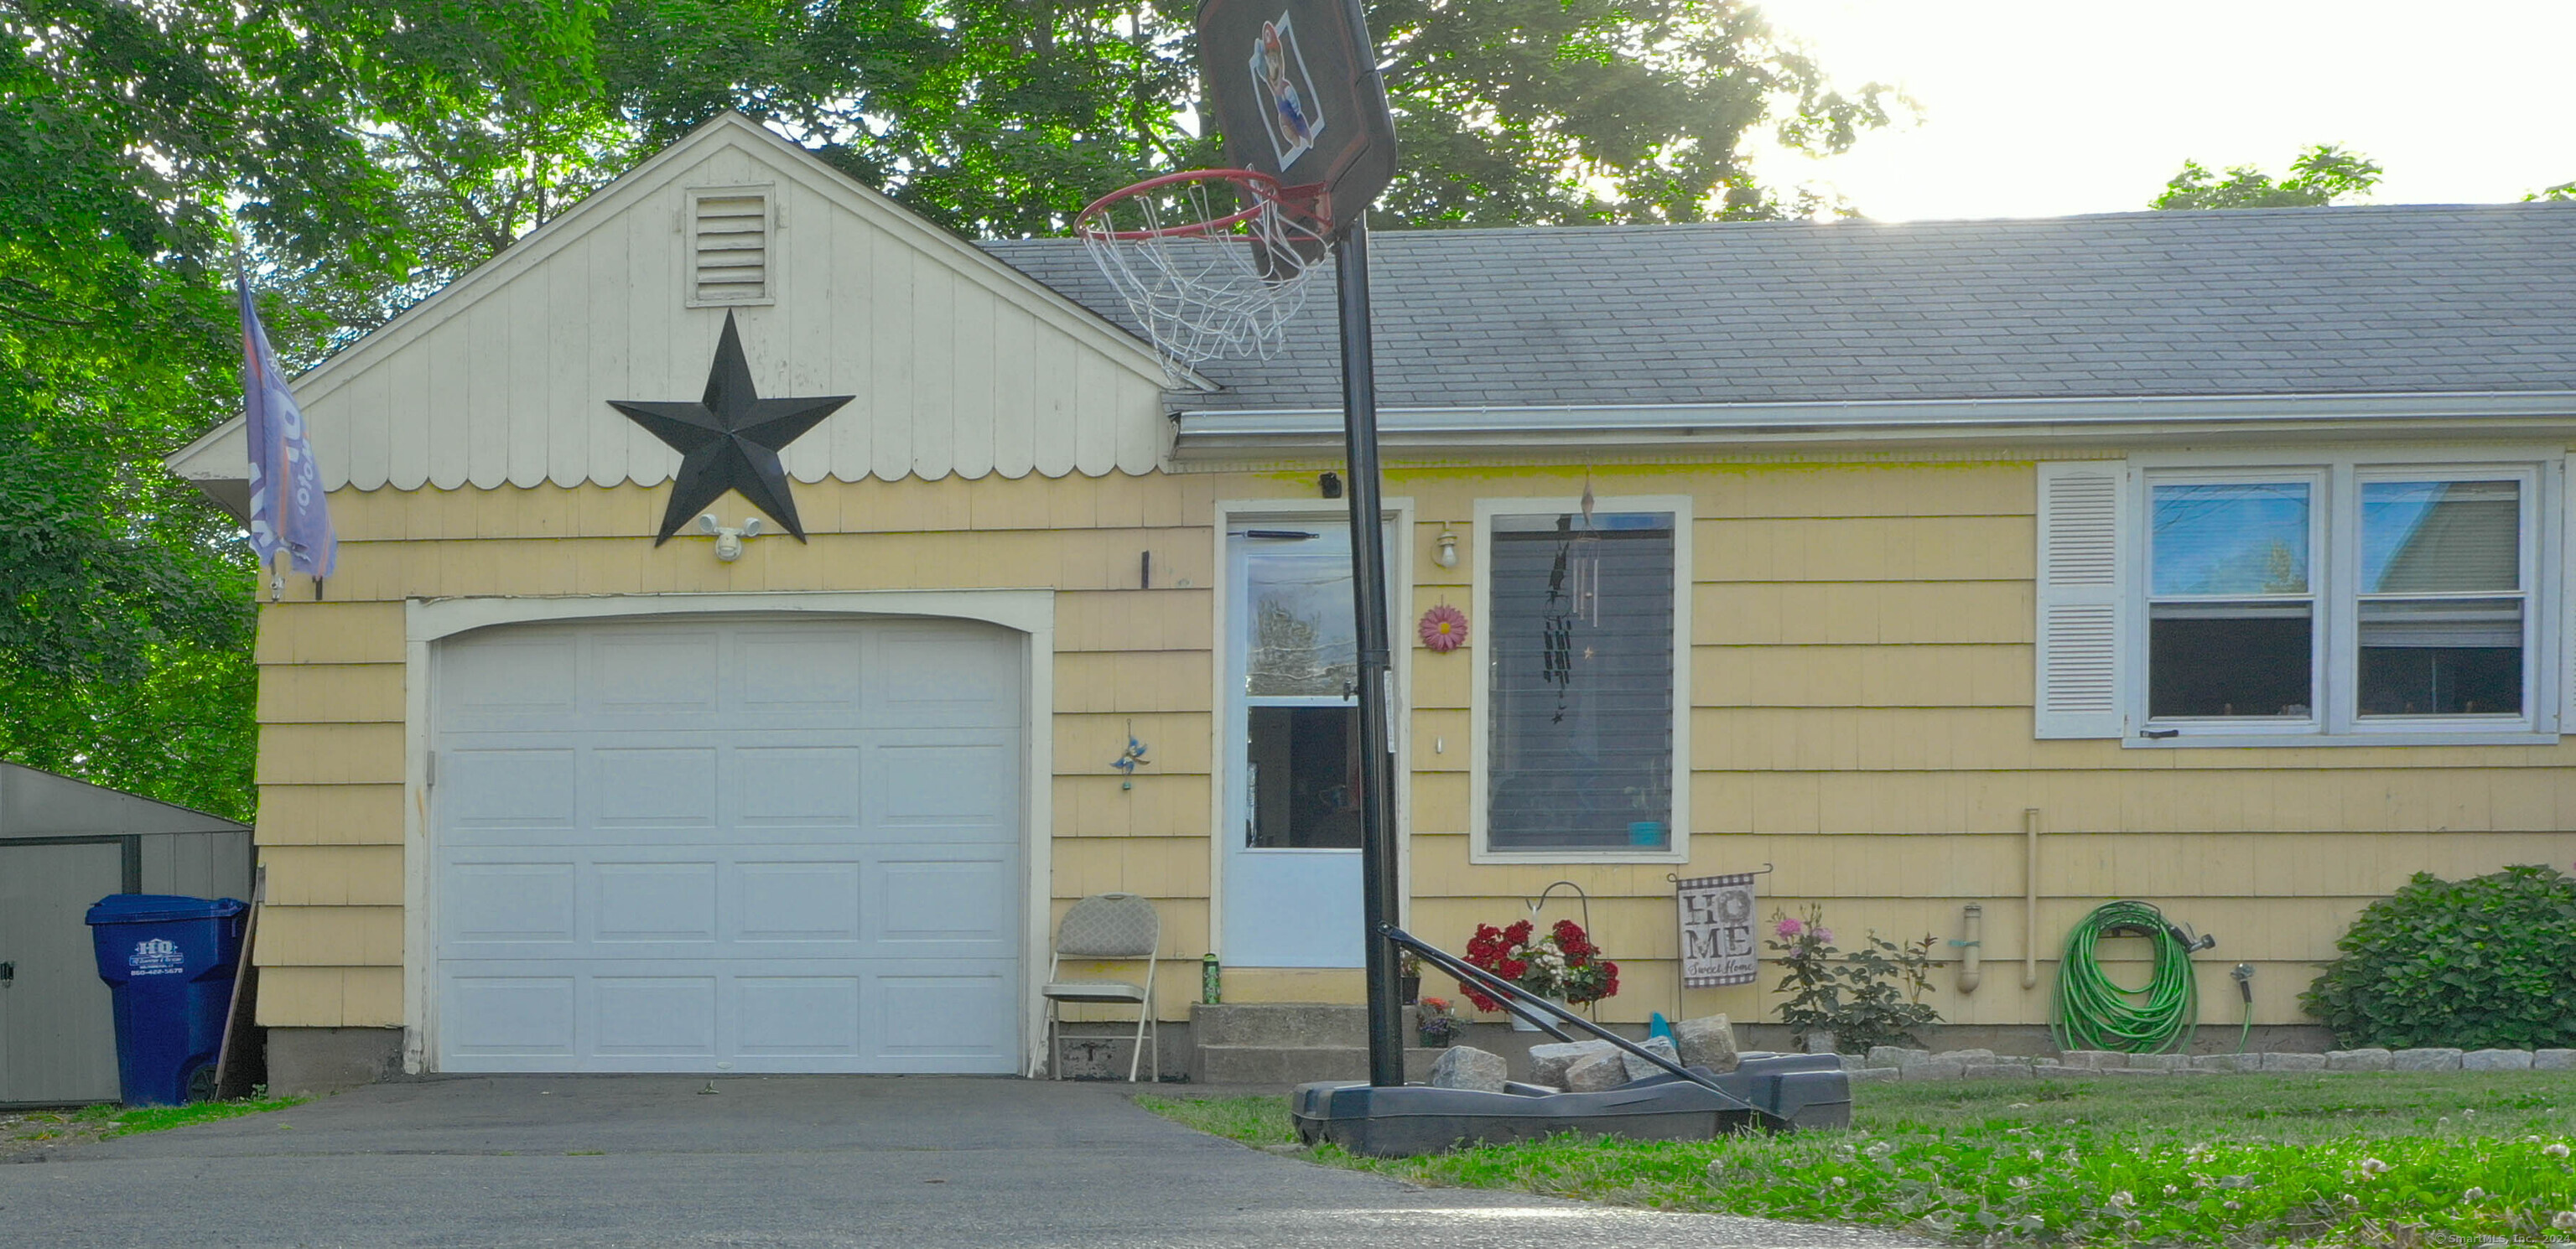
(1205, 274)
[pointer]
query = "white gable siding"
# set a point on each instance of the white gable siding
(959, 365)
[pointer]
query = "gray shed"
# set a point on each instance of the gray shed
(64, 844)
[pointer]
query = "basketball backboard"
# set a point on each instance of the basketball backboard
(1292, 86)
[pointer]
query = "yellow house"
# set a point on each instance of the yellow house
(2216, 560)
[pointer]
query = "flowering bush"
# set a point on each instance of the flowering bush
(1870, 996)
(1564, 964)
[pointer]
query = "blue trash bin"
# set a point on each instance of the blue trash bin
(169, 964)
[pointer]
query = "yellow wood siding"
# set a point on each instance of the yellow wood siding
(1861, 691)
(1861, 683)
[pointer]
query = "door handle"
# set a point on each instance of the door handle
(8, 972)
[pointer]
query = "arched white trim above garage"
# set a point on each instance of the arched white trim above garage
(1030, 613)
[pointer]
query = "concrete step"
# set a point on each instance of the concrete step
(1284, 1024)
(1295, 1064)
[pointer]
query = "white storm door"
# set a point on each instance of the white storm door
(1291, 733)
(729, 845)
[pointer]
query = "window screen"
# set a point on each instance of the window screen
(1580, 725)
(2441, 604)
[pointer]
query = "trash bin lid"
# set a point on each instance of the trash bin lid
(154, 908)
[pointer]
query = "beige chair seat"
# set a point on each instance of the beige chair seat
(1094, 991)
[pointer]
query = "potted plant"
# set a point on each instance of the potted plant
(1562, 966)
(1408, 976)
(1438, 1024)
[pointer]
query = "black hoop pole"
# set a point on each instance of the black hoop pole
(1377, 704)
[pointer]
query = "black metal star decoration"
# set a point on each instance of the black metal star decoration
(730, 440)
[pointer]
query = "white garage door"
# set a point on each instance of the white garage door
(728, 845)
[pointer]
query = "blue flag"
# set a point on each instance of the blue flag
(286, 505)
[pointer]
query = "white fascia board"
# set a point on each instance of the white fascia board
(1219, 435)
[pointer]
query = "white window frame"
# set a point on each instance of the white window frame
(2335, 571)
(1480, 696)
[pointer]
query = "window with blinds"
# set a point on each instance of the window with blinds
(729, 246)
(1580, 643)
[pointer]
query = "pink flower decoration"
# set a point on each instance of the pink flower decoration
(1790, 928)
(1443, 629)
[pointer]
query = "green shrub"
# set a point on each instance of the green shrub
(2488, 962)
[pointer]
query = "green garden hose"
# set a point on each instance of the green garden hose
(2095, 1014)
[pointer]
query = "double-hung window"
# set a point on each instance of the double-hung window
(1585, 639)
(2338, 599)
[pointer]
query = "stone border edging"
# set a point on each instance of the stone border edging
(1889, 1062)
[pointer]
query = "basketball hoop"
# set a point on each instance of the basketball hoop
(1213, 262)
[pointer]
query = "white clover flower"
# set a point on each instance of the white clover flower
(2373, 1166)
(1840, 1181)
(2474, 1194)
(2171, 1189)
(2555, 1149)
(2122, 1200)
(2023, 1182)
(2564, 1220)
(2039, 1155)
(2233, 1205)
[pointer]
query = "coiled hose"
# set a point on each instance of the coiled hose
(2095, 1014)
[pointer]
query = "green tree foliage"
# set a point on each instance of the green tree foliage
(2562, 191)
(128, 135)
(2478, 963)
(2321, 175)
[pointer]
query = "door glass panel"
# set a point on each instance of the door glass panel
(1302, 638)
(1303, 777)
(2435, 537)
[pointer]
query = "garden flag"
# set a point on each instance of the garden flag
(1717, 931)
(286, 506)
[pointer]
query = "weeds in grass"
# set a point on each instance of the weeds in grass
(2384, 1161)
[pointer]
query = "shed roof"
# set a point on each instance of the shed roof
(37, 803)
(2397, 300)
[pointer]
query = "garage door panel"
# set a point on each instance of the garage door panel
(799, 1016)
(798, 785)
(804, 902)
(945, 1019)
(500, 909)
(508, 1016)
(507, 682)
(764, 849)
(654, 1016)
(800, 675)
(658, 902)
(517, 789)
(932, 677)
(943, 908)
(941, 785)
(656, 671)
(643, 787)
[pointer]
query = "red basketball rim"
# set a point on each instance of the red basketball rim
(1265, 190)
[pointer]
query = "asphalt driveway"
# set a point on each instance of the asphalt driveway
(793, 1161)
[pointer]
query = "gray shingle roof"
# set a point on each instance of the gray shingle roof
(2295, 301)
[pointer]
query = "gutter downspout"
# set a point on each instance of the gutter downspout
(2030, 898)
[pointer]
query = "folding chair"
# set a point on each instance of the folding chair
(1107, 925)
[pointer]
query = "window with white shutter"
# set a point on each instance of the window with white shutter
(729, 231)
(2082, 571)
(2292, 598)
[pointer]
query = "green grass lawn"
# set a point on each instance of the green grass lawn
(27, 1129)
(2385, 1160)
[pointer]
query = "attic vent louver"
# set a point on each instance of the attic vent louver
(729, 246)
